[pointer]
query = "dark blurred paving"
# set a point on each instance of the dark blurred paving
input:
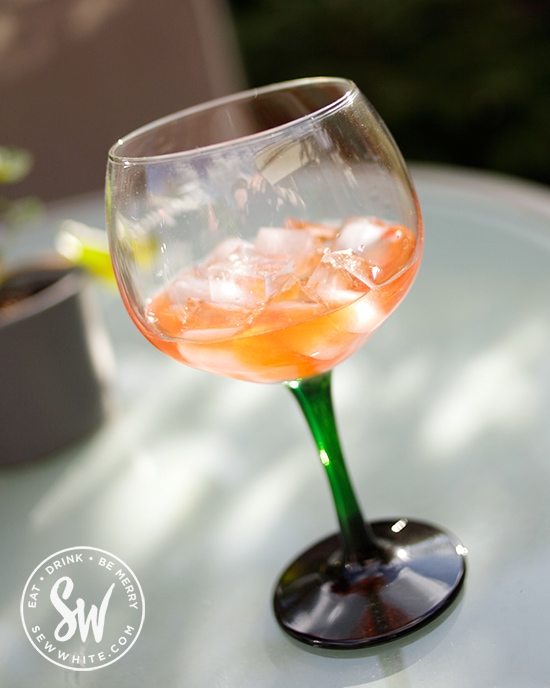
(457, 81)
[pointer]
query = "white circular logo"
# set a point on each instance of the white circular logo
(82, 608)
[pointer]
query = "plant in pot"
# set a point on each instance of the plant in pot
(53, 348)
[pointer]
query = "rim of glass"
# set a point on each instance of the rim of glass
(351, 91)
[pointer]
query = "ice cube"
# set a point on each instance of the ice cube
(359, 233)
(214, 334)
(293, 304)
(276, 241)
(206, 321)
(340, 277)
(303, 247)
(319, 338)
(220, 361)
(364, 316)
(294, 291)
(325, 232)
(231, 248)
(248, 282)
(392, 254)
(191, 284)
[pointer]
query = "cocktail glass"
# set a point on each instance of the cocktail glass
(264, 237)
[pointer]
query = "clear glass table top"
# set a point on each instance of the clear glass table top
(444, 416)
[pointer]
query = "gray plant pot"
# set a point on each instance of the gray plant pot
(54, 357)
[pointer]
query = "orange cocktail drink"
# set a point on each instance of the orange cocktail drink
(291, 303)
(218, 273)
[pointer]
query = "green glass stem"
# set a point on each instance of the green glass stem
(315, 399)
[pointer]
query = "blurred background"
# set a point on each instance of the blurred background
(460, 82)
(76, 75)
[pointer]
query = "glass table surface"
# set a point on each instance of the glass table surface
(207, 487)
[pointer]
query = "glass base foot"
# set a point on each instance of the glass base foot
(324, 603)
